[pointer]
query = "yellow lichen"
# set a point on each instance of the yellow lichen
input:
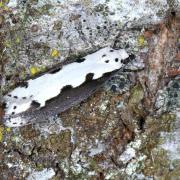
(8, 129)
(55, 53)
(17, 40)
(141, 41)
(1, 133)
(34, 70)
(3, 4)
(6, 8)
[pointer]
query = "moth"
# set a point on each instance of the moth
(61, 88)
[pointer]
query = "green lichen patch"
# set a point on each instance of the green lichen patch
(29, 133)
(157, 163)
(60, 144)
(134, 103)
(163, 123)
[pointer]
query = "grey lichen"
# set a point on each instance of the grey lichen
(117, 133)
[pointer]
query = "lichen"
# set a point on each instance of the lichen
(141, 41)
(118, 116)
(33, 70)
(1, 133)
(55, 53)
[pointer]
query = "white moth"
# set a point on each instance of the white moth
(49, 85)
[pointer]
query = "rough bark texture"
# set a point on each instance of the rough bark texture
(129, 129)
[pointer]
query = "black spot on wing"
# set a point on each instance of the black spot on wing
(104, 55)
(15, 97)
(111, 50)
(35, 104)
(106, 61)
(65, 88)
(116, 59)
(89, 77)
(80, 60)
